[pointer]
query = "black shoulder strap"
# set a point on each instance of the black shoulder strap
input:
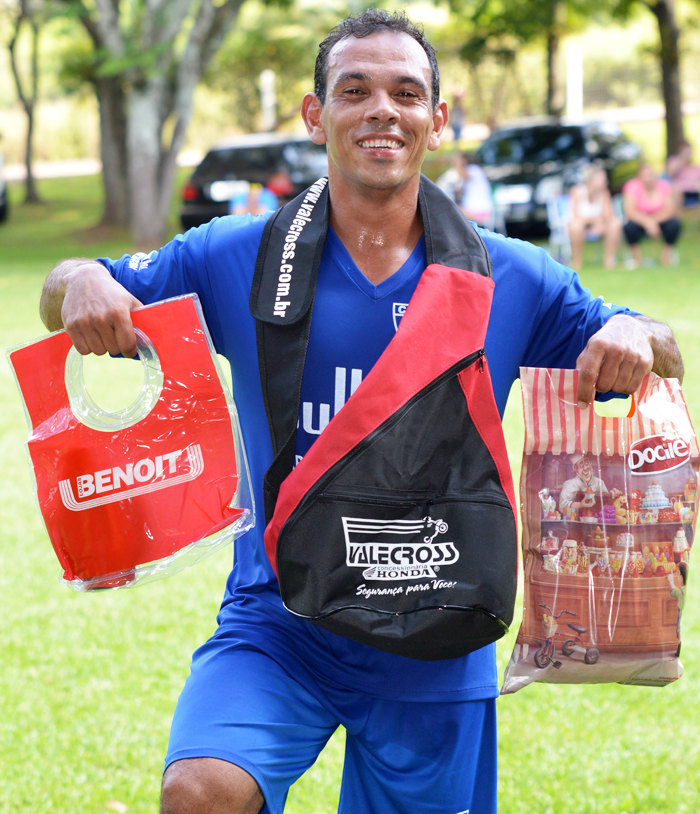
(282, 295)
(450, 240)
(281, 300)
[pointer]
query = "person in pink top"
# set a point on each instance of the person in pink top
(651, 207)
(684, 175)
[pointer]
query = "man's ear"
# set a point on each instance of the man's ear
(440, 119)
(311, 113)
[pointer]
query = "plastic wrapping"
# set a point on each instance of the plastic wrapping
(608, 509)
(140, 494)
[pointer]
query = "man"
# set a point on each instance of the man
(268, 690)
(469, 187)
(584, 490)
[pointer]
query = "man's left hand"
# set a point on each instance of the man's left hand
(617, 357)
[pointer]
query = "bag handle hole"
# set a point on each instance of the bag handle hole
(115, 385)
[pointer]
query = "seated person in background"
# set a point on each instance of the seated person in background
(591, 216)
(466, 183)
(256, 201)
(651, 207)
(684, 175)
(260, 199)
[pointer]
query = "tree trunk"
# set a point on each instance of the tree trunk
(556, 95)
(110, 96)
(27, 99)
(669, 34)
(136, 101)
(31, 195)
(145, 154)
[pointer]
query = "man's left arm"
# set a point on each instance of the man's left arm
(622, 352)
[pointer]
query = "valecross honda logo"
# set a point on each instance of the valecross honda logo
(135, 478)
(389, 550)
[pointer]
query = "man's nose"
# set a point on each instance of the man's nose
(381, 107)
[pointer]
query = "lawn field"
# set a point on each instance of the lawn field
(88, 683)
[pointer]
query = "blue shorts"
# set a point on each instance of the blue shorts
(244, 706)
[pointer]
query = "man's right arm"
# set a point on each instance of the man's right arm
(81, 296)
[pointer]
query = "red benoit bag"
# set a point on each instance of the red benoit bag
(137, 495)
(608, 509)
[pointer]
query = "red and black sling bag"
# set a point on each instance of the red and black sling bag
(398, 527)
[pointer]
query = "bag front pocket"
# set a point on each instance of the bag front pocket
(403, 572)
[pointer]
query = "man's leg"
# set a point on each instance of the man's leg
(432, 758)
(245, 729)
(211, 785)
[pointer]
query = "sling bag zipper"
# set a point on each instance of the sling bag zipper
(463, 364)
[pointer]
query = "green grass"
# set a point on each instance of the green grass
(88, 683)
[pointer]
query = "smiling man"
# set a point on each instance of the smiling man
(267, 691)
(584, 490)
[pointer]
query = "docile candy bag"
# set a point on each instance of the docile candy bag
(609, 507)
(133, 496)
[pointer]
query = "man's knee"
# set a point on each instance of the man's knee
(209, 785)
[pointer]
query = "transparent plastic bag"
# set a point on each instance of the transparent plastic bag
(608, 511)
(142, 493)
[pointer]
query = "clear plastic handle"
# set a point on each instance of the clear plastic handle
(89, 413)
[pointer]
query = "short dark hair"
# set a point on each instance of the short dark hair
(362, 25)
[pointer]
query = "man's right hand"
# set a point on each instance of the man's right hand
(81, 296)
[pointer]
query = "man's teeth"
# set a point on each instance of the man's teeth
(382, 142)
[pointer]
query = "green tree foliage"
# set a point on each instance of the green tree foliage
(283, 39)
(144, 60)
(669, 55)
(499, 28)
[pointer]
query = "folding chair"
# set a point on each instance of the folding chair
(558, 222)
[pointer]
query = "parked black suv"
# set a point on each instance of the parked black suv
(228, 168)
(528, 165)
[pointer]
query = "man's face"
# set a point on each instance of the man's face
(583, 469)
(378, 119)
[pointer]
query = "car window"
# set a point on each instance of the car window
(240, 162)
(501, 150)
(306, 160)
(550, 145)
(535, 145)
